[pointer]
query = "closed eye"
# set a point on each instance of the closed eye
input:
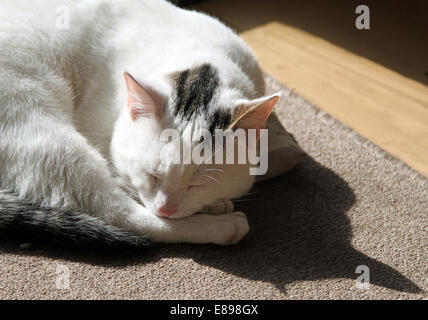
(194, 186)
(153, 176)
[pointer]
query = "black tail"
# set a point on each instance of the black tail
(68, 228)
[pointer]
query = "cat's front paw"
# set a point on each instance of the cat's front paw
(230, 228)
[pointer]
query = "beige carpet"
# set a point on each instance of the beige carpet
(347, 204)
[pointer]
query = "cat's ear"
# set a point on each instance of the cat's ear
(142, 100)
(254, 113)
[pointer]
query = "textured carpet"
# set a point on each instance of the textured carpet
(347, 204)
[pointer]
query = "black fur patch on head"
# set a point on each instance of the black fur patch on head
(194, 89)
(220, 119)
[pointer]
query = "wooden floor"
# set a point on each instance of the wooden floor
(375, 81)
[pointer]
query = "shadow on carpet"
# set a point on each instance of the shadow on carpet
(299, 231)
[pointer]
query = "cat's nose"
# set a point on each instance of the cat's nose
(166, 212)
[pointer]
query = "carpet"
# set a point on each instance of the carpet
(348, 222)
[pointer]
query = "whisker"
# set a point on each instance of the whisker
(239, 206)
(212, 156)
(243, 200)
(211, 178)
(213, 170)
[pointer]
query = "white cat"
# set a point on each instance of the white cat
(86, 88)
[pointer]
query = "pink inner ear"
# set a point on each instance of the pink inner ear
(142, 102)
(256, 117)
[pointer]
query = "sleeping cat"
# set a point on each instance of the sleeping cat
(83, 103)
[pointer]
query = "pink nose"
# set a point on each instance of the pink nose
(166, 212)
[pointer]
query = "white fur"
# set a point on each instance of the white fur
(63, 119)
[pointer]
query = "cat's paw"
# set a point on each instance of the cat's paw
(230, 228)
(219, 207)
(221, 229)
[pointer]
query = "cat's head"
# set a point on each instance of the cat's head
(168, 173)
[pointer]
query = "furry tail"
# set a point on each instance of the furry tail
(67, 228)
